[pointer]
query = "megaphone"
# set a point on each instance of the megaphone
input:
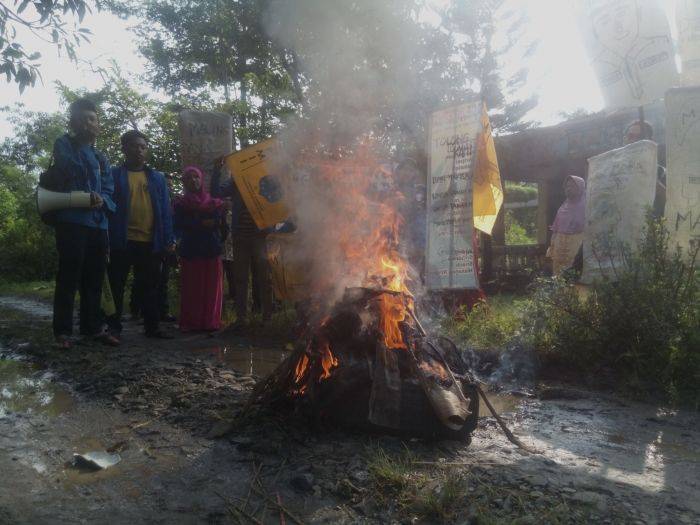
(47, 201)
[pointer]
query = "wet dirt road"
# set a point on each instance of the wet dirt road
(166, 409)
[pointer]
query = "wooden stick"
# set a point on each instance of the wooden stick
(235, 508)
(511, 437)
(279, 502)
(279, 505)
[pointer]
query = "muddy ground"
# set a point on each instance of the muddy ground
(169, 410)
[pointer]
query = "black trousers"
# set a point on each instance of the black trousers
(147, 270)
(136, 299)
(250, 255)
(82, 255)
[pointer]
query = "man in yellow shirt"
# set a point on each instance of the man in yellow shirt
(141, 232)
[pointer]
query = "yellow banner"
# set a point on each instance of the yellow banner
(262, 191)
(488, 192)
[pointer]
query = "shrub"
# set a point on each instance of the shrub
(643, 326)
(490, 324)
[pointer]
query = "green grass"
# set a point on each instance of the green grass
(428, 492)
(491, 324)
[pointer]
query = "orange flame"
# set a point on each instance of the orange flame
(392, 311)
(328, 361)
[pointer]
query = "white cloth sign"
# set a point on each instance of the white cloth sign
(630, 47)
(620, 189)
(683, 166)
(450, 263)
(688, 22)
(204, 136)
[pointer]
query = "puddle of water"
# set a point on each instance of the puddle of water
(501, 403)
(28, 306)
(251, 361)
(677, 452)
(26, 389)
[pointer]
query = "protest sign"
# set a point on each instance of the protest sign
(683, 162)
(204, 137)
(688, 23)
(450, 262)
(620, 189)
(262, 190)
(630, 47)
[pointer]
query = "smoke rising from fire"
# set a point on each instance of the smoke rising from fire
(360, 63)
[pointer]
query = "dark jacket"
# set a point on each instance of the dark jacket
(196, 240)
(87, 169)
(162, 213)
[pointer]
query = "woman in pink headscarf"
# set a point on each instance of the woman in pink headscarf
(567, 230)
(198, 222)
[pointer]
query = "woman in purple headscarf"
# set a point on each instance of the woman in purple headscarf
(567, 230)
(198, 223)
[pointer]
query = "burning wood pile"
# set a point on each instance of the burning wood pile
(364, 360)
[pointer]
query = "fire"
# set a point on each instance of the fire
(328, 361)
(392, 311)
(300, 369)
(350, 222)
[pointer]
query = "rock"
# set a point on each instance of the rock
(359, 476)
(303, 483)
(536, 494)
(220, 429)
(599, 501)
(121, 390)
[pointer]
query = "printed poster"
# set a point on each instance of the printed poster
(683, 166)
(260, 187)
(688, 22)
(620, 189)
(204, 137)
(450, 263)
(630, 47)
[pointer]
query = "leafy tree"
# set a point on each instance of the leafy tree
(25, 243)
(477, 26)
(216, 52)
(39, 19)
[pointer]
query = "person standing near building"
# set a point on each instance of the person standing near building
(141, 232)
(81, 233)
(569, 223)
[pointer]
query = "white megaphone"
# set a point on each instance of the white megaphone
(57, 200)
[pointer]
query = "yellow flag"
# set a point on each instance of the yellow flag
(261, 189)
(487, 189)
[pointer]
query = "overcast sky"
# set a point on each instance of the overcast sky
(559, 71)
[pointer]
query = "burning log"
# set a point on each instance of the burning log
(369, 365)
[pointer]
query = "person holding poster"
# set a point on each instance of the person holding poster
(642, 130)
(198, 220)
(567, 230)
(249, 252)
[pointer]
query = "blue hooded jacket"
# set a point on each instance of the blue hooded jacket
(88, 170)
(162, 213)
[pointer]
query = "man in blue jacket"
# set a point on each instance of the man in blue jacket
(141, 232)
(81, 233)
